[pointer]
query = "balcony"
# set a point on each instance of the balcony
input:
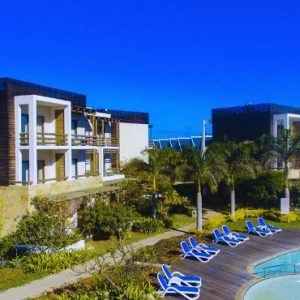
(45, 139)
(86, 140)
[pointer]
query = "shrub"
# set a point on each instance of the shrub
(214, 222)
(42, 229)
(248, 213)
(295, 194)
(55, 262)
(147, 225)
(168, 221)
(263, 191)
(104, 221)
(293, 216)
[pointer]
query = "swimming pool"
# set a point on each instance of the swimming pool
(276, 288)
(284, 264)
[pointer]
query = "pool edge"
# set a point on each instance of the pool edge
(243, 289)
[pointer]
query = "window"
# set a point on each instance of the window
(74, 127)
(74, 168)
(25, 171)
(40, 124)
(41, 170)
(24, 123)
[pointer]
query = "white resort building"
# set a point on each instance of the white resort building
(52, 145)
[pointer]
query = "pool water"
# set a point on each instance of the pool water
(276, 288)
(284, 264)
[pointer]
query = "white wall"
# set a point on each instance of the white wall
(134, 138)
(49, 118)
(49, 157)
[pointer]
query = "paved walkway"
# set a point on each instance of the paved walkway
(48, 283)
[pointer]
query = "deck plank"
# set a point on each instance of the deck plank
(224, 275)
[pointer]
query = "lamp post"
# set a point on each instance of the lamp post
(204, 123)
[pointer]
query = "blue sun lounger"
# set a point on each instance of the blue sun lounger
(219, 238)
(242, 238)
(178, 278)
(188, 292)
(194, 253)
(263, 232)
(262, 223)
(203, 248)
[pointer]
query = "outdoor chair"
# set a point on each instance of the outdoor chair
(178, 278)
(219, 238)
(188, 292)
(195, 253)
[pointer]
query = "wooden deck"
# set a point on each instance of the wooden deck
(225, 274)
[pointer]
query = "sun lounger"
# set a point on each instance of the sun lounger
(262, 223)
(219, 238)
(263, 232)
(232, 234)
(202, 247)
(178, 278)
(188, 292)
(195, 253)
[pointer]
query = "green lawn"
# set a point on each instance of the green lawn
(241, 226)
(16, 277)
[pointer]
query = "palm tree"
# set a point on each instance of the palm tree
(235, 162)
(281, 151)
(202, 169)
(172, 160)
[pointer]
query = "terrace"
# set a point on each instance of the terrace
(227, 275)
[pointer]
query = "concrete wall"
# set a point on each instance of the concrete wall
(134, 138)
(49, 118)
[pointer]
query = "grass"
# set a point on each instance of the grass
(16, 277)
(240, 225)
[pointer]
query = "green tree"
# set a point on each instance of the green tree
(235, 162)
(281, 151)
(172, 160)
(201, 168)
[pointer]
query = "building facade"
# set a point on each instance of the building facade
(249, 122)
(53, 145)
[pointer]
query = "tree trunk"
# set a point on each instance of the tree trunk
(199, 211)
(287, 193)
(232, 198)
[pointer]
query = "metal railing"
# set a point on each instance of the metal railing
(281, 269)
(86, 140)
(45, 139)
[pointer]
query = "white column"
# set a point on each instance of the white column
(275, 122)
(18, 118)
(67, 130)
(32, 140)
(68, 164)
(101, 162)
(68, 123)
(286, 121)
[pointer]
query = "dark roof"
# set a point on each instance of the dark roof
(19, 87)
(272, 108)
(128, 116)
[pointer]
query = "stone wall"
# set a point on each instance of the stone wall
(15, 200)
(14, 204)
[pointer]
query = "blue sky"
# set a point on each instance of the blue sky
(174, 59)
